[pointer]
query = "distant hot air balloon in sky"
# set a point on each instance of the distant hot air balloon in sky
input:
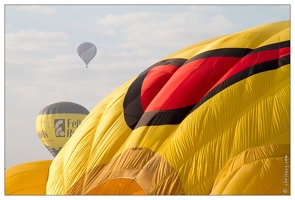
(86, 51)
(56, 123)
(212, 118)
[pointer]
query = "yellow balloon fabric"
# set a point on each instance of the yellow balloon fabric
(212, 118)
(56, 123)
(28, 178)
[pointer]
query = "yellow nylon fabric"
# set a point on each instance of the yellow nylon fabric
(268, 165)
(223, 127)
(28, 178)
(197, 156)
(91, 139)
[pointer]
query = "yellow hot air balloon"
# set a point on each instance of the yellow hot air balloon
(28, 178)
(56, 123)
(212, 118)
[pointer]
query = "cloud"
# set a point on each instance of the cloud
(124, 19)
(32, 40)
(163, 30)
(37, 9)
(27, 46)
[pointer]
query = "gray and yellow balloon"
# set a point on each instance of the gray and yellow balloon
(56, 123)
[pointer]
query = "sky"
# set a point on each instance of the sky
(41, 64)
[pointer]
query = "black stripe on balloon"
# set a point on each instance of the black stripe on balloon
(238, 52)
(176, 116)
(272, 47)
(163, 117)
(64, 107)
(222, 52)
(132, 104)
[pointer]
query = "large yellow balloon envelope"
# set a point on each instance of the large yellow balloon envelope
(213, 118)
(28, 178)
(57, 122)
